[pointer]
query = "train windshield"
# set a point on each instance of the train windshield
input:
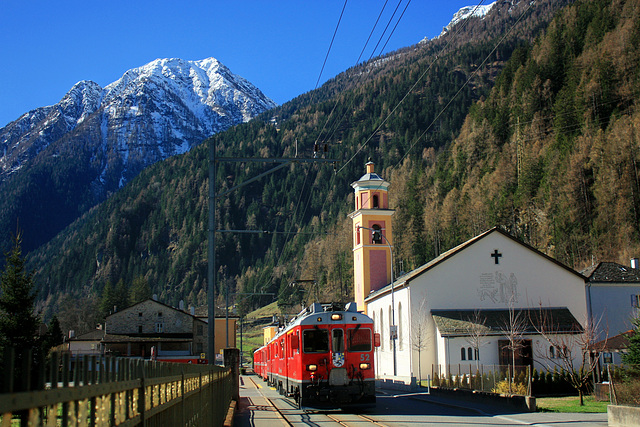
(359, 339)
(315, 341)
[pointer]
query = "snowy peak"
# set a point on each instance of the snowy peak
(152, 112)
(478, 11)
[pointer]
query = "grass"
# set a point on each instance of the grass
(570, 404)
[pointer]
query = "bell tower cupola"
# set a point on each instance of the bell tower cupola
(372, 235)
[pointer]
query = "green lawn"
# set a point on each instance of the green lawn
(570, 404)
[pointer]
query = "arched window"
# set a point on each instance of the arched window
(476, 353)
(376, 203)
(381, 330)
(463, 353)
(399, 323)
(376, 236)
(470, 353)
(552, 352)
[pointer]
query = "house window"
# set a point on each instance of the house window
(470, 353)
(159, 314)
(139, 329)
(159, 327)
(635, 301)
(139, 314)
(552, 352)
(463, 353)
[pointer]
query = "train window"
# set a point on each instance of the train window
(315, 341)
(337, 341)
(359, 339)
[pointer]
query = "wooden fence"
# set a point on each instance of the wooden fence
(111, 391)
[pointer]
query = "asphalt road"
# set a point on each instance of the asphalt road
(262, 406)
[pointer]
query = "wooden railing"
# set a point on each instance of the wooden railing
(111, 391)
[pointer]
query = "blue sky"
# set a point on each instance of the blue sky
(48, 46)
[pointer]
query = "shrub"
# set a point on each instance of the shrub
(516, 388)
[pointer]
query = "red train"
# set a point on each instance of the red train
(323, 358)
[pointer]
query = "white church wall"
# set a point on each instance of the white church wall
(470, 279)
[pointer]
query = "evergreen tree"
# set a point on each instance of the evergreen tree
(632, 356)
(140, 290)
(18, 322)
(54, 335)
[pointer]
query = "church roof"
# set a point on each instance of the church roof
(404, 280)
(612, 272)
(496, 321)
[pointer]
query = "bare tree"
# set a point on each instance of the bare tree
(571, 347)
(476, 333)
(420, 333)
(513, 329)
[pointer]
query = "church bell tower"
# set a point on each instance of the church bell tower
(372, 235)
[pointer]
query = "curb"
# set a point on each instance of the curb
(228, 421)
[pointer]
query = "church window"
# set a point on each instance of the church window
(470, 353)
(358, 235)
(399, 326)
(552, 352)
(476, 353)
(376, 203)
(463, 353)
(381, 330)
(376, 236)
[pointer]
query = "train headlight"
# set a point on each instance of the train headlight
(312, 368)
(364, 366)
(336, 316)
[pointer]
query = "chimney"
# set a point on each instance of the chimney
(635, 263)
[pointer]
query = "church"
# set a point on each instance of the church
(454, 310)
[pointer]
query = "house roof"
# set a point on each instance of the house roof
(401, 281)
(615, 343)
(496, 321)
(612, 272)
(95, 335)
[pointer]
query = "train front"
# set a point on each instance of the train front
(337, 363)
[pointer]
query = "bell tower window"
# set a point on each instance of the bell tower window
(376, 236)
(376, 204)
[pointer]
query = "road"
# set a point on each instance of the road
(262, 406)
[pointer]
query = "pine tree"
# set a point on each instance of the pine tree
(54, 335)
(632, 356)
(18, 322)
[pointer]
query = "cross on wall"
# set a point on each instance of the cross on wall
(496, 256)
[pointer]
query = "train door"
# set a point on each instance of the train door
(338, 375)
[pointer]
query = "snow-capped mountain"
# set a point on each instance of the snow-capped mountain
(152, 112)
(56, 162)
(478, 11)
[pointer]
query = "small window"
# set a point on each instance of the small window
(140, 314)
(358, 235)
(476, 352)
(635, 301)
(470, 353)
(199, 347)
(159, 314)
(376, 204)
(159, 327)
(337, 341)
(199, 330)
(552, 352)
(139, 329)
(463, 353)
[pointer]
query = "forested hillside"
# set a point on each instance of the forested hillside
(427, 116)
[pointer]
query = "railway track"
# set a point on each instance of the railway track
(294, 417)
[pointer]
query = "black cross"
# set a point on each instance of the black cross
(496, 256)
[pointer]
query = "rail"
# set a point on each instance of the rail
(111, 391)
